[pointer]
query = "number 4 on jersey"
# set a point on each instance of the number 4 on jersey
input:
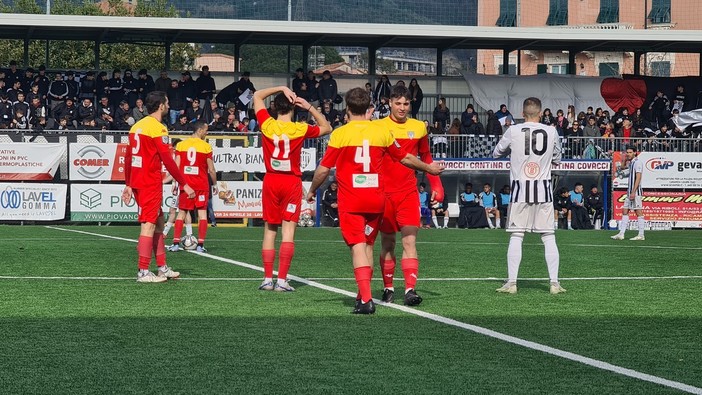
(363, 156)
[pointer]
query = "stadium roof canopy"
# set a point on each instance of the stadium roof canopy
(142, 29)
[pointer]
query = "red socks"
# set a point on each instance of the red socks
(145, 247)
(287, 250)
(387, 268)
(159, 249)
(177, 231)
(363, 276)
(268, 256)
(410, 269)
(201, 231)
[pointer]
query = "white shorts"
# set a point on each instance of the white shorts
(637, 204)
(530, 217)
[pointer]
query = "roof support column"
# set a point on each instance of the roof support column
(46, 55)
(96, 55)
(237, 57)
(700, 64)
(439, 69)
(305, 58)
(371, 60)
(287, 70)
(25, 57)
(505, 61)
(571, 62)
(637, 63)
(168, 55)
(519, 62)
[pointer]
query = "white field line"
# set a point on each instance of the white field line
(122, 278)
(473, 328)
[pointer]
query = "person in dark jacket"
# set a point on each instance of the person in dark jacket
(101, 86)
(58, 91)
(659, 107)
(43, 81)
(145, 84)
(86, 111)
(73, 85)
(163, 82)
(115, 86)
(312, 84)
(242, 85)
(104, 106)
(476, 127)
(329, 204)
(176, 101)
(66, 110)
(205, 85)
(595, 206)
(561, 206)
(467, 118)
(13, 74)
(6, 113)
(494, 128)
(327, 89)
(131, 89)
(416, 97)
(88, 87)
(298, 81)
(195, 112)
(28, 79)
(383, 88)
(442, 115)
(187, 88)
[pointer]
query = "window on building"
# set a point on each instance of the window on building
(609, 69)
(512, 69)
(609, 11)
(559, 69)
(660, 69)
(558, 13)
(508, 13)
(660, 11)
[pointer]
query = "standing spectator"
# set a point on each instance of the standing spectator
(488, 200)
(116, 87)
(327, 89)
(139, 110)
(131, 89)
(476, 127)
(493, 125)
(88, 87)
(504, 113)
(28, 79)
(6, 113)
(242, 85)
(163, 82)
(442, 115)
(382, 89)
(416, 95)
(503, 201)
(298, 81)
(680, 101)
(102, 85)
(574, 134)
(659, 107)
(547, 118)
(187, 88)
(73, 85)
(467, 118)
(561, 123)
(13, 74)
(205, 85)
(145, 85)
(58, 91)
(570, 114)
(34, 92)
(595, 206)
(176, 101)
(312, 85)
(330, 205)
(43, 81)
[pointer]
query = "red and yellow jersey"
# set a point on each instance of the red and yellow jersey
(164, 172)
(282, 143)
(193, 154)
(148, 148)
(412, 137)
(357, 150)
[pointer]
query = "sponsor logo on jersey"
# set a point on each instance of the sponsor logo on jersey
(531, 169)
(410, 134)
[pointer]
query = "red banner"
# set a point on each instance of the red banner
(664, 206)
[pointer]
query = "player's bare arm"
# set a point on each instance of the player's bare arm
(213, 174)
(321, 121)
(260, 95)
(434, 168)
(320, 175)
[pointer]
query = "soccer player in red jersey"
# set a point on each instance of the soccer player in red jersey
(402, 212)
(194, 159)
(282, 186)
(148, 148)
(357, 150)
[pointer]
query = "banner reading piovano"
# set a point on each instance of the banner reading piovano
(103, 203)
(30, 161)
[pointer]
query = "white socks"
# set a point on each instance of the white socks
(498, 224)
(436, 223)
(189, 229)
(167, 228)
(552, 255)
(514, 256)
(642, 224)
(569, 226)
(623, 224)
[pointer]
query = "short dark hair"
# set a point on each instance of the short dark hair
(577, 184)
(154, 100)
(357, 101)
(469, 184)
(487, 184)
(631, 147)
(199, 125)
(282, 104)
(423, 185)
(400, 91)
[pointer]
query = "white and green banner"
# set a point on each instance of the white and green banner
(103, 203)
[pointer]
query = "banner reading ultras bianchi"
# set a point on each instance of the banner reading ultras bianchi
(32, 202)
(30, 161)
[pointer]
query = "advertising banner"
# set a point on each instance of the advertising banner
(32, 202)
(676, 207)
(504, 165)
(97, 162)
(103, 203)
(662, 170)
(240, 159)
(30, 161)
(242, 199)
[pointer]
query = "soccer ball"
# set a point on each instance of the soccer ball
(189, 242)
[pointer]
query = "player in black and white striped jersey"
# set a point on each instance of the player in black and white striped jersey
(532, 147)
(634, 195)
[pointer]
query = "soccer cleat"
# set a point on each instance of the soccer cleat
(266, 286)
(200, 249)
(168, 273)
(638, 238)
(508, 288)
(557, 289)
(388, 295)
(364, 308)
(173, 247)
(283, 287)
(150, 277)
(618, 236)
(412, 299)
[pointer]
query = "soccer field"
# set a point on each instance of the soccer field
(74, 320)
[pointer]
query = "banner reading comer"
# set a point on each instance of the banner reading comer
(242, 159)
(99, 162)
(103, 203)
(32, 202)
(30, 161)
(685, 207)
(662, 170)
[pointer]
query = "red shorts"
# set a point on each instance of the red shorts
(149, 202)
(198, 202)
(282, 197)
(401, 209)
(359, 228)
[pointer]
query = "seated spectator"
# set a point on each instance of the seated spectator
(19, 120)
(217, 123)
(182, 125)
(383, 108)
(548, 118)
(6, 113)
(122, 115)
(36, 110)
(439, 209)
(424, 210)
(508, 122)
(488, 201)
(579, 218)
(20, 103)
(66, 109)
(471, 214)
(332, 115)
(65, 124)
(330, 205)
(504, 113)
(14, 90)
(476, 127)
(675, 130)
(34, 92)
(88, 124)
(243, 126)
(561, 123)
(503, 200)
(105, 121)
(194, 111)
(591, 130)
(139, 111)
(595, 206)
(561, 206)
(231, 124)
(86, 111)
(104, 106)
(43, 123)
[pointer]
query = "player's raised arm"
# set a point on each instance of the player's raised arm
(260, 95)
(321, 121)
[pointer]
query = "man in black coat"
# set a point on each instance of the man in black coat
(205, 86)
(595, 206)
(145, 84)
